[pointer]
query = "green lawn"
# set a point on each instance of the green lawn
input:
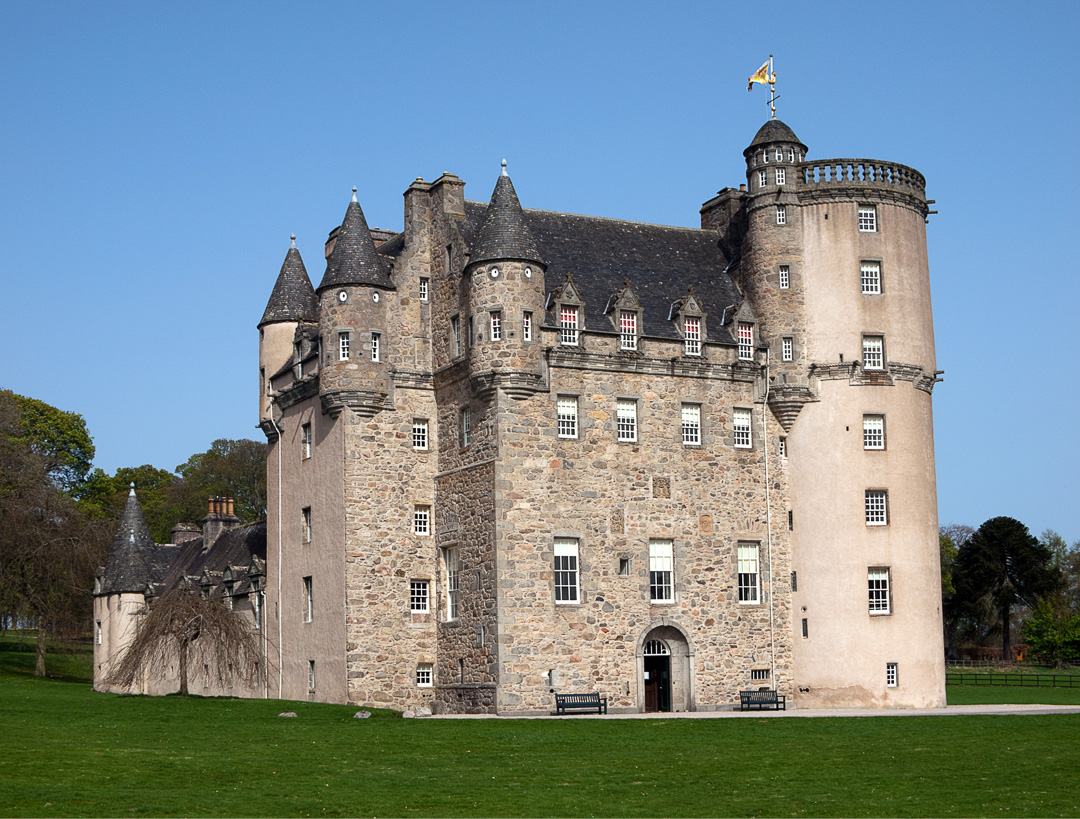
(65, 750)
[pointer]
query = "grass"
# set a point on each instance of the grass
(65, 750)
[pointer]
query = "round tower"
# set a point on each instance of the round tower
(292, 301)
(505, 275)
(835, 262)
(353, 319)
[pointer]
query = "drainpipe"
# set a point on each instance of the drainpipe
(280, 443)
(768, 522)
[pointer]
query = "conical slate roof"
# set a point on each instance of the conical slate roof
(293, 298)
(354, 259)
(125, 568)
(773, 131)
(504, 232)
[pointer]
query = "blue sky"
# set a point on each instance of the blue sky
(156, 157)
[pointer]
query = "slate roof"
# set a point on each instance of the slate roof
(126, 568)
(354, 259)
(773, 131)
(504, 232)
(234, 547)
(293, 297)
(660, 262)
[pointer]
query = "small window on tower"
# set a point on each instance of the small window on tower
(496, 325)
(344, 342)
(785, 276)
(788, 349)
(781, 215)
(867, 219)
(781, 176)
(424, 285)
(526, 325)
(763, 178)
(376, 345)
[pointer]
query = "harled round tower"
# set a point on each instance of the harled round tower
(835, 261)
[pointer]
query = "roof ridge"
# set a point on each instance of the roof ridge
(604, 218)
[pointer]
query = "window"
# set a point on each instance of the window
(305, 441)
(877, 580)
(787, 352)
(746, 341)
(794, 582)
(421, 520)
(785, 276)
(740, 418)
(781, 214)
(781, 175)
(450, 557)
(867, 219)
(759, 673)
(624, 566)
(257, 607)
(892, 676)
(749, 576)
(526, 326)
(298, 365)
(873, 352)
(779, 155)
(566, 571)
(97, 632)
(763, 178)
(805, 630)
(376, 340)
(418, 596)
(496, 325)
(691, 424)
(627, 330)
(424, 282)
(790, 154)
(567, 416)
(765, 156)
(423, 675)
(419, 433)
(877, 507)
(343, 341)
(782, 447)
(568, 322)
(455, 335)
(472, 332)
(871, 278)
(873, 431)
(626, 419)
(309, 606)
(661, 571)
(692, 335)
(310, 675)
(306, 524)
(466, 426)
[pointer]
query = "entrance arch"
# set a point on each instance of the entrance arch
(664, 667)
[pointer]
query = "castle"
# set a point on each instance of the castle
(515, 452)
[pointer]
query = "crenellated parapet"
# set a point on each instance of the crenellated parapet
(844, 179)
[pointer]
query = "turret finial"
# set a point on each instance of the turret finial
(132, 492)
(504, 173)
(354, 194)
(292, 239)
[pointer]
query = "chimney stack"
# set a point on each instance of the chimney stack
(219, 518)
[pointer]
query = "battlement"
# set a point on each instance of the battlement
(864, 174)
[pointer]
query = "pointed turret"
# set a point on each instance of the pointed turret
(354, 259)
(504, 232)
(293, 297)
(125, 567)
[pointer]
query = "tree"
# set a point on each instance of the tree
(59, 438)
(184, 627)
(1001, 567)
(1053, 634)
(104, 496)
(230, 468)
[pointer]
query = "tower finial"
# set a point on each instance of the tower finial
(132, 492)
(292, 239)
(504, 173)
(354, 194)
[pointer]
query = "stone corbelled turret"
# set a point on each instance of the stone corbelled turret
(353, 259)
(504, 232)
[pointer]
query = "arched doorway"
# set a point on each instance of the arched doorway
(664, 672)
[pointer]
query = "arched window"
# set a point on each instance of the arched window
(656, 648)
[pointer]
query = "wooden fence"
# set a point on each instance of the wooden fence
(1012, 678)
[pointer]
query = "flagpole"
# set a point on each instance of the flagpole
(772, 88)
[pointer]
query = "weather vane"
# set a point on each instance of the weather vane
(766, 76)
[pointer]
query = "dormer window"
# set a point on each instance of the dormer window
(779, 154)
(746, 341)
(765, 157)
(568, 323)
(627, 330)
(790, 154)
(692, 335)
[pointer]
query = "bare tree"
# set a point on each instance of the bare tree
(184, 627)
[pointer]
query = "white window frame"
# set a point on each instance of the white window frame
(662, 571)
(569, 325)
(787, 348)
(305, 441)
(424, 288)
(376, 344)
(566, 572)
(781, 176)
(455, 334)
(419, 596)
(873, 352)
(781, 446)
(892, 675)
(873, 431)
(97, 632)
(691, 335)
(742, 427)
(870, 277)
(876, 507)
(566, 410)
(421, 519)
(791, 155)
(779, 154)
(765, 156)
(344, 344)
(526, 325)
(746, 341)
(781, 214)
(452, 566)
(690, 417)
(628, 334)
(420, 434)
(785, 276)
(763, 178)
(626, 419)
(425, 675)
(466, 426)
(868, 218)
(748, 570)
(879, 590)
(305, 523)
(496, 325)
(309, 601)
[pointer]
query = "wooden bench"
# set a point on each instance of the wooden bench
(580, 702)
(762, 699)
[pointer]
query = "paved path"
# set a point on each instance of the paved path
(948, 711)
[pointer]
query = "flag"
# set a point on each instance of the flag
(761, 76)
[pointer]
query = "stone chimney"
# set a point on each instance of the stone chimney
(219, 518)
(183, 532)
